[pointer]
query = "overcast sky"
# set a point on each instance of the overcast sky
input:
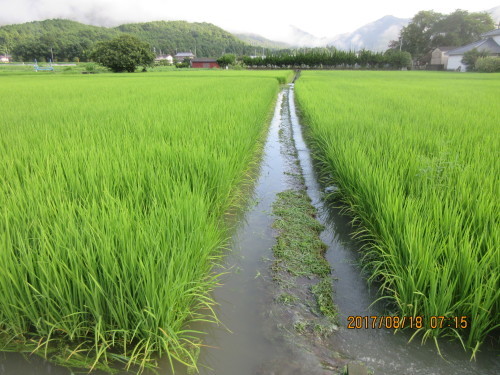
(270, 18)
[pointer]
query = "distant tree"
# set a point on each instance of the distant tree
(123, 54)
(227, 59)
(460, 28)
(470, 58)
(415, 38)
(398, 59)
(428, 30)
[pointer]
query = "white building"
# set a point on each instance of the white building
(490, 43)
(165, 58)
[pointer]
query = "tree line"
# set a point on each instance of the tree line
(331, 58)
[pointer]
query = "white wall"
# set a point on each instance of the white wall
(454, 62)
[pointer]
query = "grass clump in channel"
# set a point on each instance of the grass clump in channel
(113, 193)
(298, 249)
(415, 157)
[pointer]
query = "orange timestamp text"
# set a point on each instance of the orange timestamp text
(400, 322)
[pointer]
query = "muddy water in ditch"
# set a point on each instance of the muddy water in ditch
(251, 339)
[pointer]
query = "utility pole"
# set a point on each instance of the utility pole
(52, 54)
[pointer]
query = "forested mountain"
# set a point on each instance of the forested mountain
(170, 36)
(70, 41)
(259, 41)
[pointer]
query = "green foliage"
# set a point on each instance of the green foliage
(488, 64)
(90, 67)
(170, 36)
(70, 40)
(123, 54)
(398, 59)
(259, 42)
(411, 166)
(428, 30)
(331, 58)
(470, 58)
(227, 59)
(113, 197)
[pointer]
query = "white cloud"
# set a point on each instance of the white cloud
(266, 17)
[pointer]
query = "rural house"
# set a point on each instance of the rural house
(165, 58)
(439, 58)
(179, 57)
(204, 63)
(5, 58)
(490, 43)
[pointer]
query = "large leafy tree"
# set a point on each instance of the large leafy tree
(123, 53)
(460, 28)
(416, 37)
(227, 59)
(428, 30)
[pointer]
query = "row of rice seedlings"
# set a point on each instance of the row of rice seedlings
(113, 190)
(416, 158)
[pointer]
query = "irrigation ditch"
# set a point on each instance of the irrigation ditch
(275, 305)
(272, 322)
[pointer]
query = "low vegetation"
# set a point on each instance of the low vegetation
(470, 58)
(415, 156)
(113, 192)
(299, 250)
(489, 64)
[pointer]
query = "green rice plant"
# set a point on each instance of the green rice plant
(113, 195)
(415, 156)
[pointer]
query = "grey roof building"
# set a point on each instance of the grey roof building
(490, 43)
(183, 55)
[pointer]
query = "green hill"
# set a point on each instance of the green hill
(68, 40)
(170, 36)
(259, 41)
(71, 41)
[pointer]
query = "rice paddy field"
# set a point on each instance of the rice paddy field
(114, 194)
(415, 156)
